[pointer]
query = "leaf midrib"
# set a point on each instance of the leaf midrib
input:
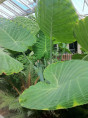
(8, 35)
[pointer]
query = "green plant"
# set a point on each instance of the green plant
(29, 23)
(19, 40)
(11, 87)
(9, 65)
(42, 47)
(64, 88)
(80, 30)
(11, 104)
(63, 84)
(15, 38)
(53, 20)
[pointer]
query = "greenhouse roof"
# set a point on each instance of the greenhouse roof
(81, 7)
(12, 8)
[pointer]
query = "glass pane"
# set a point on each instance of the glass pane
(80, 6)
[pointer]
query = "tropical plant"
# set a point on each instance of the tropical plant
(9, 102)
(12, 86)
(28, 23)
(65, 84)
(19, 40)
(53, 20)
(42, 47)
(81, 30)
(14, 38)
(9, 65)
(64, 89)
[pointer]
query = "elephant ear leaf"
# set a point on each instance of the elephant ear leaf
(9, 65)
(57, 21)
(14, 36)
(66, 86)
(42, 46)
(29, 23)
(81, 33)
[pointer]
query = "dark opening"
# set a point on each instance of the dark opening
(73, 47)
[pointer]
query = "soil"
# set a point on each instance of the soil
(4, 112)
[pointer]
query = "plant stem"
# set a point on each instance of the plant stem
(45, 62)
(10, 82)
(38, 70)
(51, 49)
(36, 81)
(26, 57)
(29, 81)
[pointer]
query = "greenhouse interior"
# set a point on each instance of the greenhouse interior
(43, 58)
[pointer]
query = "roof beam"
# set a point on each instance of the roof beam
(17, 6)
(1, 16)
(30, 11)
(23, 2)
(10, 9)
(5, 13)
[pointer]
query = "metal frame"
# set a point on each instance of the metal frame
(10, 9)
(3, 12)
(16, 10)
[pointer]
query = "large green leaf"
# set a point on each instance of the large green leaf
(81, 33)
(9, 65)
(66, 87)
(42, 46)
(57, 18)
(28, 23)
(15, 37)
